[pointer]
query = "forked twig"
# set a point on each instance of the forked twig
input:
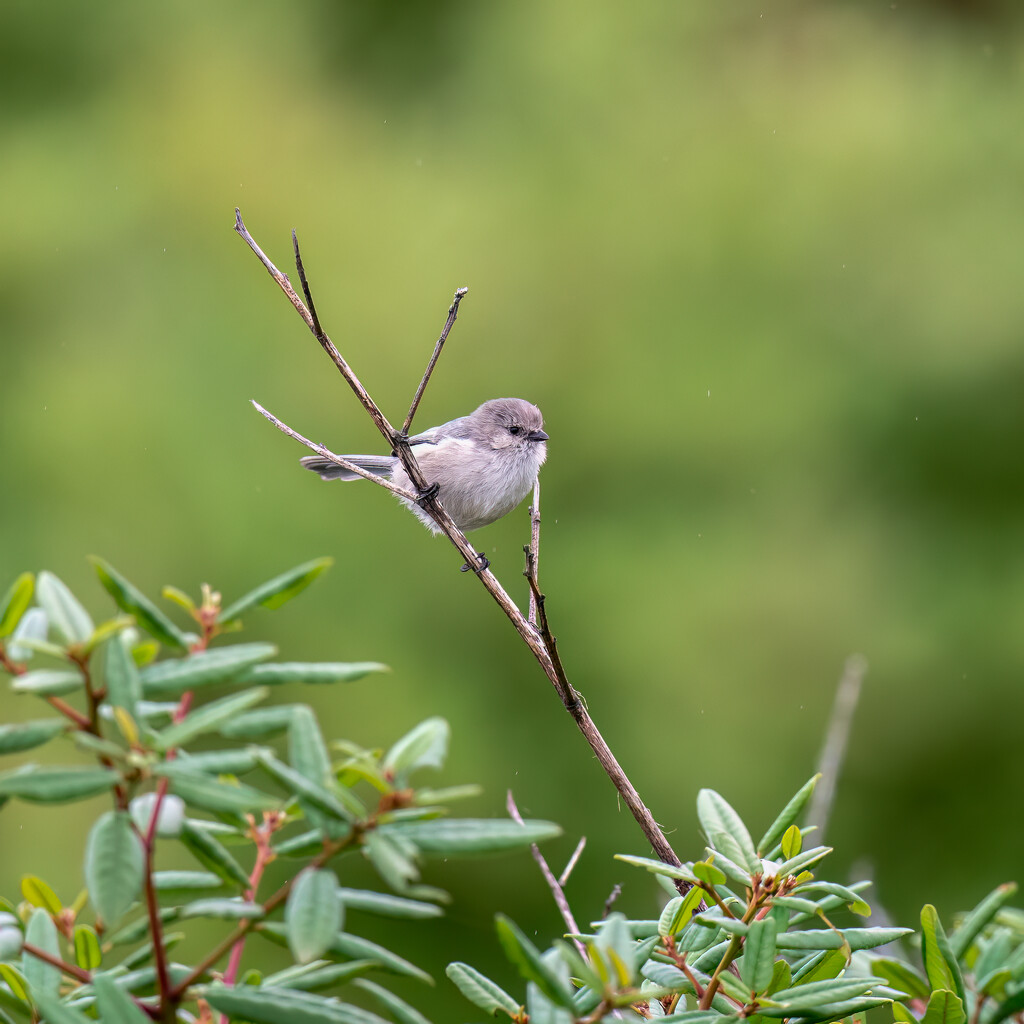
(834, 750)
(537, 637)
(557, 892)
(453, 312)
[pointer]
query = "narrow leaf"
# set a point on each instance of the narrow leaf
(56, 785)
(264, 1005)
(323, 799)
(758, 955)
(386, 905)
(980, 916)
(43, 978)
(113, 865)
(471, 835)
(15, 602)
(176, 675)
(209, 717)
(716, 815)
(39, 894)
(87, 948)
(788, 816)
(480, 990)
(280, 589)
(49, 682)
(939, 963)
(223, 909)
(130, 599)
(124, 688)
(205, 792)
(275, 673)
(529, 962)
(26, 735)
(425, 746)
(313, 914)
(114, 1004)
(63, 609)
(255, 725)
(398, 1008)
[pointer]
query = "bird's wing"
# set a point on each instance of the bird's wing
(452, 429)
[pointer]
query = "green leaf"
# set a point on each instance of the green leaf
(802, 861)
(15, 602)
(114, 1004)
(56, 785)
(220, 762)
(114, 865)
(716, 815)
(708, 873)
(264, 1005)
(305, 844)
(16, 982)
(277, 591)
(87, 947)
(902, 976)
(39, 894)
(823, 966)
(323, 799)
(255, 725)
(782, 977)
(980, 916)
(308, 756)
(130, 599)
(313, 914)
(394, 861)
(386, 905)
(275, 673)
(175, 676)
(792, 842)
(658, 867)
(32, 629)
(529, 962)
(226, 909)
(49, 682)
(471, 835)
(26, 735)
(43, 978)
(1008, 1008)
(209, 717)
(939, 963)
(944, 1007)
(124, 688)
(788, 817)
(220, 797)
(827, 938)
(312, 977)
(678, 912)
(806, 997)
(53, 1011)
(758, 961)
(186, 883)
(480, 990)
(139, 928)
(178, 597)
(425, 746)
(902, 1014)
(398, 1008)
(850, 898)
(66, 614)
(356, 947)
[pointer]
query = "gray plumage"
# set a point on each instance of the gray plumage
(484, 463)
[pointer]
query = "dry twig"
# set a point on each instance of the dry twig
(537, 637)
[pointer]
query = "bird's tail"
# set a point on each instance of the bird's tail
(332, 471)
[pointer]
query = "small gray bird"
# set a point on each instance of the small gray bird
(483, 464)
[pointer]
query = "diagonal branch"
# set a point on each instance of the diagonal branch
(453, 312)
(537, 637)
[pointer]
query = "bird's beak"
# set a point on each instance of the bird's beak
(536, 435)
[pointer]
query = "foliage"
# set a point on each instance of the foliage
(750, 933)
(168, 741)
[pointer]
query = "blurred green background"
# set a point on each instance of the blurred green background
(760, 267)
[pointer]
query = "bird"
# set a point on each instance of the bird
(482, 465)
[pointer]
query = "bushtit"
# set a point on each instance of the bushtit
(483, 464)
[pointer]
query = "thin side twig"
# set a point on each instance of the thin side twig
(833, 752)
(557, 892)
(563, 878)
(538, 638)
(326, 453)
(453, 312)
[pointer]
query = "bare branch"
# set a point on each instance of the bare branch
(538, 638)
(573, 860)
(325, 453)
(533, 552)
(317, 329)
(453, 312)
(549, 876)
(834, 750)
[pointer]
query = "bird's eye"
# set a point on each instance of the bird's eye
(514, 430)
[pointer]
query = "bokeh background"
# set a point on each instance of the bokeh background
(760, 265)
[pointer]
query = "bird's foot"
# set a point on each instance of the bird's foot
(483, 563)
(428, 493)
